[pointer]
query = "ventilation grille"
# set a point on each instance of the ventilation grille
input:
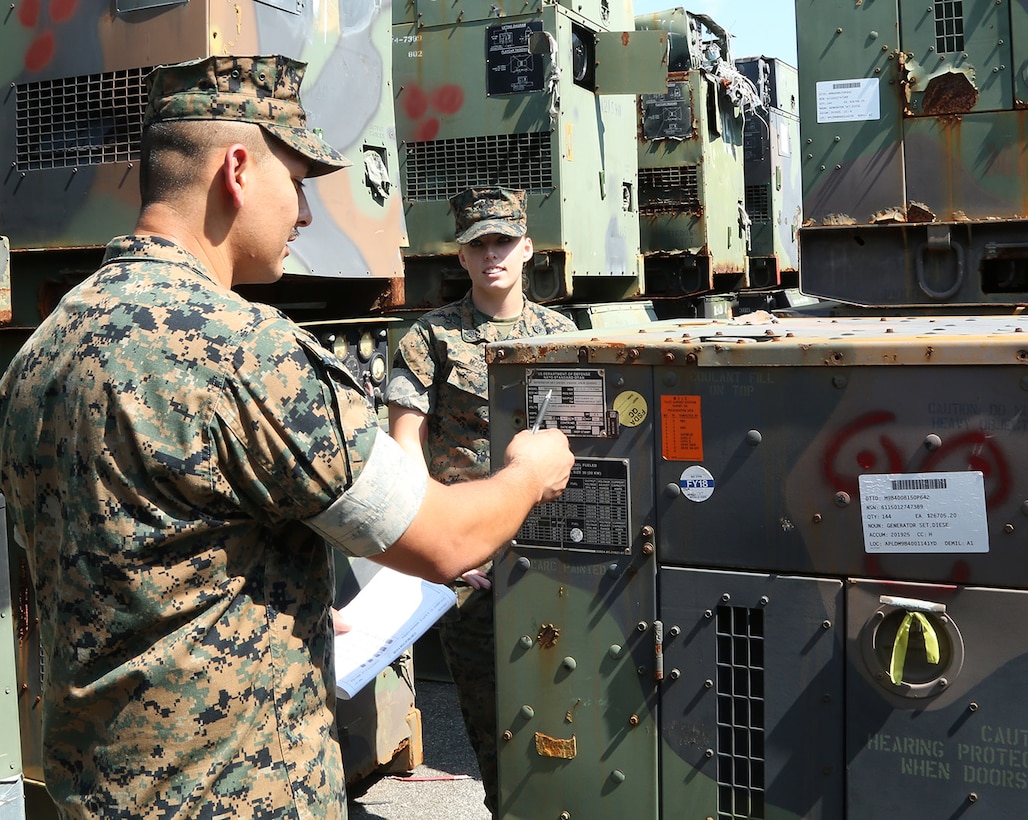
(949, 26)
(668, 190)
(740, 713)
(76, 121)
(757, 205)
(440, 169)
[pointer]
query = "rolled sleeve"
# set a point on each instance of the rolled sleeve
(379, 506)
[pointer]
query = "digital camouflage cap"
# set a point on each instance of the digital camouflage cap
(263, 90)
(481, 211)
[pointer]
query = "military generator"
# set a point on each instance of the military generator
(538, 97)
(786, 579)
(772, 173)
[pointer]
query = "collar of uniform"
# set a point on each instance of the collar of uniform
(474, 325)
(153, 247)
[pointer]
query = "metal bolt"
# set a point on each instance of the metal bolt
(709, 753)
(726, 597)
(708, 614)
(973, 797)
(508, 735)
(826, 624)
(764, 600)
(647, 548)
(646, 531)
(675, 674)
(816, 518)
(641, 626)
(842, 499)
(674, 631)
(524, 562)
(1008, 528)
(633, 720)
(708, 684)
(972, 706)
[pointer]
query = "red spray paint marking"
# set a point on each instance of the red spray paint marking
(62, 10)
(41, 52)
(416, 103)
(840, 476)
(28, 13)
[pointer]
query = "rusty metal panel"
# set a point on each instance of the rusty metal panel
(927, 265)
(969, 168)
(957, 56)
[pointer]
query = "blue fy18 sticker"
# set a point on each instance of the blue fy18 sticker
(697, 483)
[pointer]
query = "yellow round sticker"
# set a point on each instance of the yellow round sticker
(631, 407)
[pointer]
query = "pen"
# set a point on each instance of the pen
(542, 410)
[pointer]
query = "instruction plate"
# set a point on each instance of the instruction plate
(592, 515)
(577, 405)
(924, 513)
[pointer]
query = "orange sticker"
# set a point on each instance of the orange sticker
(682, 428)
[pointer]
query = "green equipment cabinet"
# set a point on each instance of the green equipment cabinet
(693, 222)
(912, 124)
(538, 97)
(786, 580)
(772, 172)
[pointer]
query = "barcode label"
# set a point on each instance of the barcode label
(845, 85)
(919, 484)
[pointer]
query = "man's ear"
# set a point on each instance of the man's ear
(236, 165)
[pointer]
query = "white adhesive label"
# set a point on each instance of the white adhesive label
(697, 483)
(924, 513)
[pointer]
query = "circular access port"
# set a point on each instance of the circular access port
(920, 677)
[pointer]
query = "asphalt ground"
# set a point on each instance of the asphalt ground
(446, 786)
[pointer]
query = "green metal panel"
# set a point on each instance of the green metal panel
(1019, 60)
(631, 62)
(852, 156)
(576, 654)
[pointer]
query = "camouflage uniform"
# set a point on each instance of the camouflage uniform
(440, 370)
(175, 459)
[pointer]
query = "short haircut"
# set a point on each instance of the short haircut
(171, 150)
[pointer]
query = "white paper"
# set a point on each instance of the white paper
(389, 613)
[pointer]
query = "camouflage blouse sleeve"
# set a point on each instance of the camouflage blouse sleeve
(293, 432)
